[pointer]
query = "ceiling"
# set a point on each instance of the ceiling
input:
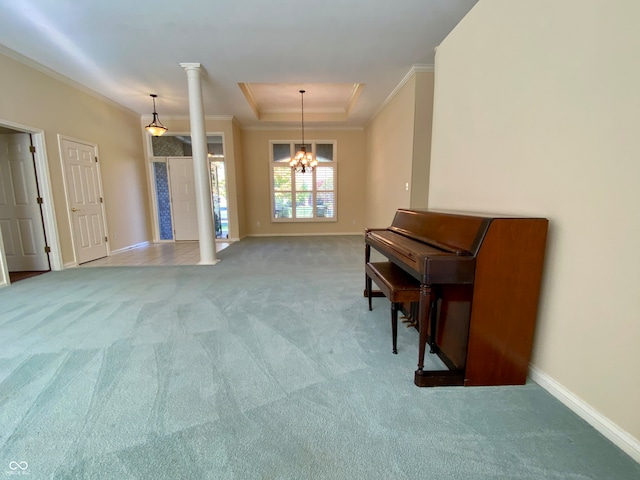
(349, 56)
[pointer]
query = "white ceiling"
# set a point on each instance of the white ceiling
(124, 50)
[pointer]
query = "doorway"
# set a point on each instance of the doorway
(183, 198)
(22, 224)
(172, 180)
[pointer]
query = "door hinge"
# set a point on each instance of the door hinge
(39, 200)
(101, 200)
(32, 149)
(106, 239)
(47, 249)
(96, 159)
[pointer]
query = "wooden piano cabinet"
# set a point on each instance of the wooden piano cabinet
(485, 330)
(452, 330)
(484, 275)
(505, 302)
(452, 333)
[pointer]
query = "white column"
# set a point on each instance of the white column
(201, 172)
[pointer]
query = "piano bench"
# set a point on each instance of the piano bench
(397, 285)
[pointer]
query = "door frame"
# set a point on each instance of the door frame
(46, 193)
(66, 192)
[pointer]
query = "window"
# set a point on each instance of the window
(306, 197)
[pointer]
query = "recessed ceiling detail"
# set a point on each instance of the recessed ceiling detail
(280, 102)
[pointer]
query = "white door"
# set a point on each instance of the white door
(183, 198)
(20, 214)
(85, 200)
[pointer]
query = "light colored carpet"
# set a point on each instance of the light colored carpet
(266, 366)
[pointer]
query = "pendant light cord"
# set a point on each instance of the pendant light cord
(153, 96)
(302, 102)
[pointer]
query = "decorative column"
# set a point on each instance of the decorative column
(202, 175)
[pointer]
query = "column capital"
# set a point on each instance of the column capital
(194, 67)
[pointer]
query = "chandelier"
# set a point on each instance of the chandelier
(155, 128)
(303, 159)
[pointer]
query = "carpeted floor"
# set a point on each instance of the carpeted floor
(265, 366)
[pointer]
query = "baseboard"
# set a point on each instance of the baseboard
(130, 247)
(302, 234)
(623, 440)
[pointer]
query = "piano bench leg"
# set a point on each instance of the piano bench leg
(394, 325)
(369, 294)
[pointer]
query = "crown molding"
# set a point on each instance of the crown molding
(417, 68)
(293, 127)
(18, 57)
(187, 117)
(236, 122)
(250, 97)
(292, 114)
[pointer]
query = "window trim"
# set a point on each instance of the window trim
(333, 164)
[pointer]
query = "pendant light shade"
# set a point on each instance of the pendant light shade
(155, 128)
(303, 159)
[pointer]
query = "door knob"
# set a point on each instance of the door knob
(75, 209)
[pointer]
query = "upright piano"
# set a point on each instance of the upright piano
(479, 280)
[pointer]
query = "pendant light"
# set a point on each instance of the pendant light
(155, 128)
(303, 159)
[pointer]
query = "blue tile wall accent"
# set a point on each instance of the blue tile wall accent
(164, 205)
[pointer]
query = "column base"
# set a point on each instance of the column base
(208, 262)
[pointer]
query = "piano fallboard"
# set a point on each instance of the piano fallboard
(427, 263)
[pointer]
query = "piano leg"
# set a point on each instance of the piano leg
(428, 313)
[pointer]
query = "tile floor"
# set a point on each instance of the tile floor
(155, 254)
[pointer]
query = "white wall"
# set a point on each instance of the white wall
(399, 149)
(389, 137)
(536, 112)
(423, 118)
